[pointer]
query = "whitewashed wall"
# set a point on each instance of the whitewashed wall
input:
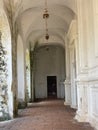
(87, 78)
(93, 71)
(49, 61)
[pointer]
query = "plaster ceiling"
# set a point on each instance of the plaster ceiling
(32, 25)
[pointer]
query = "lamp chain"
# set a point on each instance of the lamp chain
(46, 16)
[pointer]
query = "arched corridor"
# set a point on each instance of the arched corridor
(49, 49)
(46, 115)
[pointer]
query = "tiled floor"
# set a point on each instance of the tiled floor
(46, 115)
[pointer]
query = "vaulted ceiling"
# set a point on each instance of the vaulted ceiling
(32, 25)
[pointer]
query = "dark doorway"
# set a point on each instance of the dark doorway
(52, 86)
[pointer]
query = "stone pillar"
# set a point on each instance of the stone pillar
(73, 75)
(32, 74)
(14, 71)
(82, 33)
(67, 81)
(82, 75)
(25, 80)
(21, 67)
(82, 112)
(77, 55)
(95, 18)
(71, 64)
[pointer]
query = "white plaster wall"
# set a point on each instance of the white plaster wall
(49, 61)
(85, 43)
(93, 69)
(93, 63)
(95, 10)
(87, 78)
(20, 70)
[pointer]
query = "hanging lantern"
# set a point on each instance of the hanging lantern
(46, 16)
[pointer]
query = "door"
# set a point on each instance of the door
(52, 86)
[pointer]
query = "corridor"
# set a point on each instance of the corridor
(46, 115)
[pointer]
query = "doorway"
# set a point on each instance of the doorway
(52, 86)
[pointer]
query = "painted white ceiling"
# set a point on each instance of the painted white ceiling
(32, 25)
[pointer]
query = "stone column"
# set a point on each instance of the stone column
(73, 75)
(67, 80)
(25, 80)
(71, 64)
(95, 19)
(32, 74)
(21, 67)
(82, 73)
(14, 71)
(82, 33)
(77, 55)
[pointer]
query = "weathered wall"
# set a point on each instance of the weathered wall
(6, 42)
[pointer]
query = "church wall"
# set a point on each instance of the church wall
(49, 61)
(87, 79)
(93, 69)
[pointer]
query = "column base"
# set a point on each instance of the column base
(4, 116)
(66, 104)
(22, 104)
(81, 117)
(94, 123)
(74, 106)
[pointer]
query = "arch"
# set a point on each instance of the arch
(62, 18)
(40, 7)
(53, 33)
(62, 25)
